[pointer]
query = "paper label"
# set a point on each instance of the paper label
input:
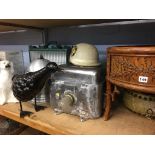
(143, 79)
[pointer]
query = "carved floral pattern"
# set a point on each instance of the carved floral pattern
(129, 68)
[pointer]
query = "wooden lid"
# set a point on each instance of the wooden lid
(132, 49)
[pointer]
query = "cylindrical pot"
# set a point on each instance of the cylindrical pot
(141, 103)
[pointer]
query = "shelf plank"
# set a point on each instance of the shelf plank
(123, 122)
(35, 120)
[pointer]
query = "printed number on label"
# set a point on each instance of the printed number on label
(143, 79)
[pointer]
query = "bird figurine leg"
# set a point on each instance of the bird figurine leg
(38, 107)
(24, 113)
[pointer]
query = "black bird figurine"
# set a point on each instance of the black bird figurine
(26, 86)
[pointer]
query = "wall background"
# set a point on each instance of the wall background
(29, 37)
(101, 36)
(143, 33)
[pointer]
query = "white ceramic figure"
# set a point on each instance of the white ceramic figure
(6, 73)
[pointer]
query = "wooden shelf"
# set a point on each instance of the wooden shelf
(122, 122)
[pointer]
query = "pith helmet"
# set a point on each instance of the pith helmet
(84, 54)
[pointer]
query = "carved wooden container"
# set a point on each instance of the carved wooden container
(131, 68)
